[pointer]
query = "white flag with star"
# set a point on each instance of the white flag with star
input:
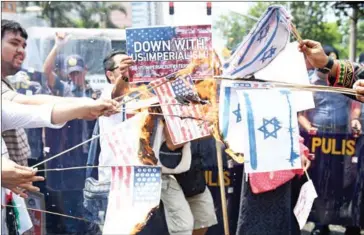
(230, 119)
(270, 130)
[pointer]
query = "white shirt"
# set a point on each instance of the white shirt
(13, 116)
(106, 124)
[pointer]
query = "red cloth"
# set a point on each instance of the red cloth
(268, 181)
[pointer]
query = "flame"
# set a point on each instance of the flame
(138, 227)
(146, 154)
(207, 90)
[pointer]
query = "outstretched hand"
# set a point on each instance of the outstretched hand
(97, 108)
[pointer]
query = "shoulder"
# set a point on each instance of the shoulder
(7, 92)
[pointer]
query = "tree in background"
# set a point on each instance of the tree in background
(89, 14)
(53, 12)
(97, 14)
(309, 18)
(354, 11)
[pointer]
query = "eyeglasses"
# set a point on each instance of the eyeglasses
(112, 69)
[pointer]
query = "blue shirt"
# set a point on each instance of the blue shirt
(332, 109)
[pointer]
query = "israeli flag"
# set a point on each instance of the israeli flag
(230, 116)
(268, 128)
(263, 43)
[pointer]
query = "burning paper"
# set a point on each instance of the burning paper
(123, 141)
(182, 130)
(263, 43)
(270, 130)
(134, 192)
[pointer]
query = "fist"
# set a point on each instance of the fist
(62, 38)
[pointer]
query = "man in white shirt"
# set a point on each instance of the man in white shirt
(16, 115)
(19, 178)
(116, 66)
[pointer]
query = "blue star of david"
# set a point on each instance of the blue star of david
(238, 114)
(268, 54)
(268, 133)
(263, 33)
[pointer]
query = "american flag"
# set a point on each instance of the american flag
(263, 43)
(123, 140)
(181, 130)
(134, 192)
(143, 71)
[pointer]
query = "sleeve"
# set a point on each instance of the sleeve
(16, 115)
(347, 74)
(6, 92)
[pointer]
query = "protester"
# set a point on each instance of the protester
(12, 56)
(18, 178)
(351, 74)
(13, 43)
(329, 118)
(116, 65)
(188, 203)
(272, 210)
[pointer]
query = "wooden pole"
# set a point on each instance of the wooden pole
(220, 167)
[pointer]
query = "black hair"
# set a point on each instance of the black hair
(330, 49)
(12, 26)
(109, 64)
(361, 57)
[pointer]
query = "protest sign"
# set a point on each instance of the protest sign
(36, 201)
(159, 51)
(304, 203)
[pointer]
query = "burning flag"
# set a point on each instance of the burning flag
(134, 192)
(182, 130)
(263, 43)
(124, 141)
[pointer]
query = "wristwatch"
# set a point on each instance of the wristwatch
(327, 67)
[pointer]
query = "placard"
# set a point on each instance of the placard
(160, 51)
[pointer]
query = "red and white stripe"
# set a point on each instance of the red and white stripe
(122, 185)
(181, 130)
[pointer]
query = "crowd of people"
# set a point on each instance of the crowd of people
(68, 111)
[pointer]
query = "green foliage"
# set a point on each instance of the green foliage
(90, 14)
(56, 13)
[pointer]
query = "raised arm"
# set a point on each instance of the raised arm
(48, 67)
(122, 83)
